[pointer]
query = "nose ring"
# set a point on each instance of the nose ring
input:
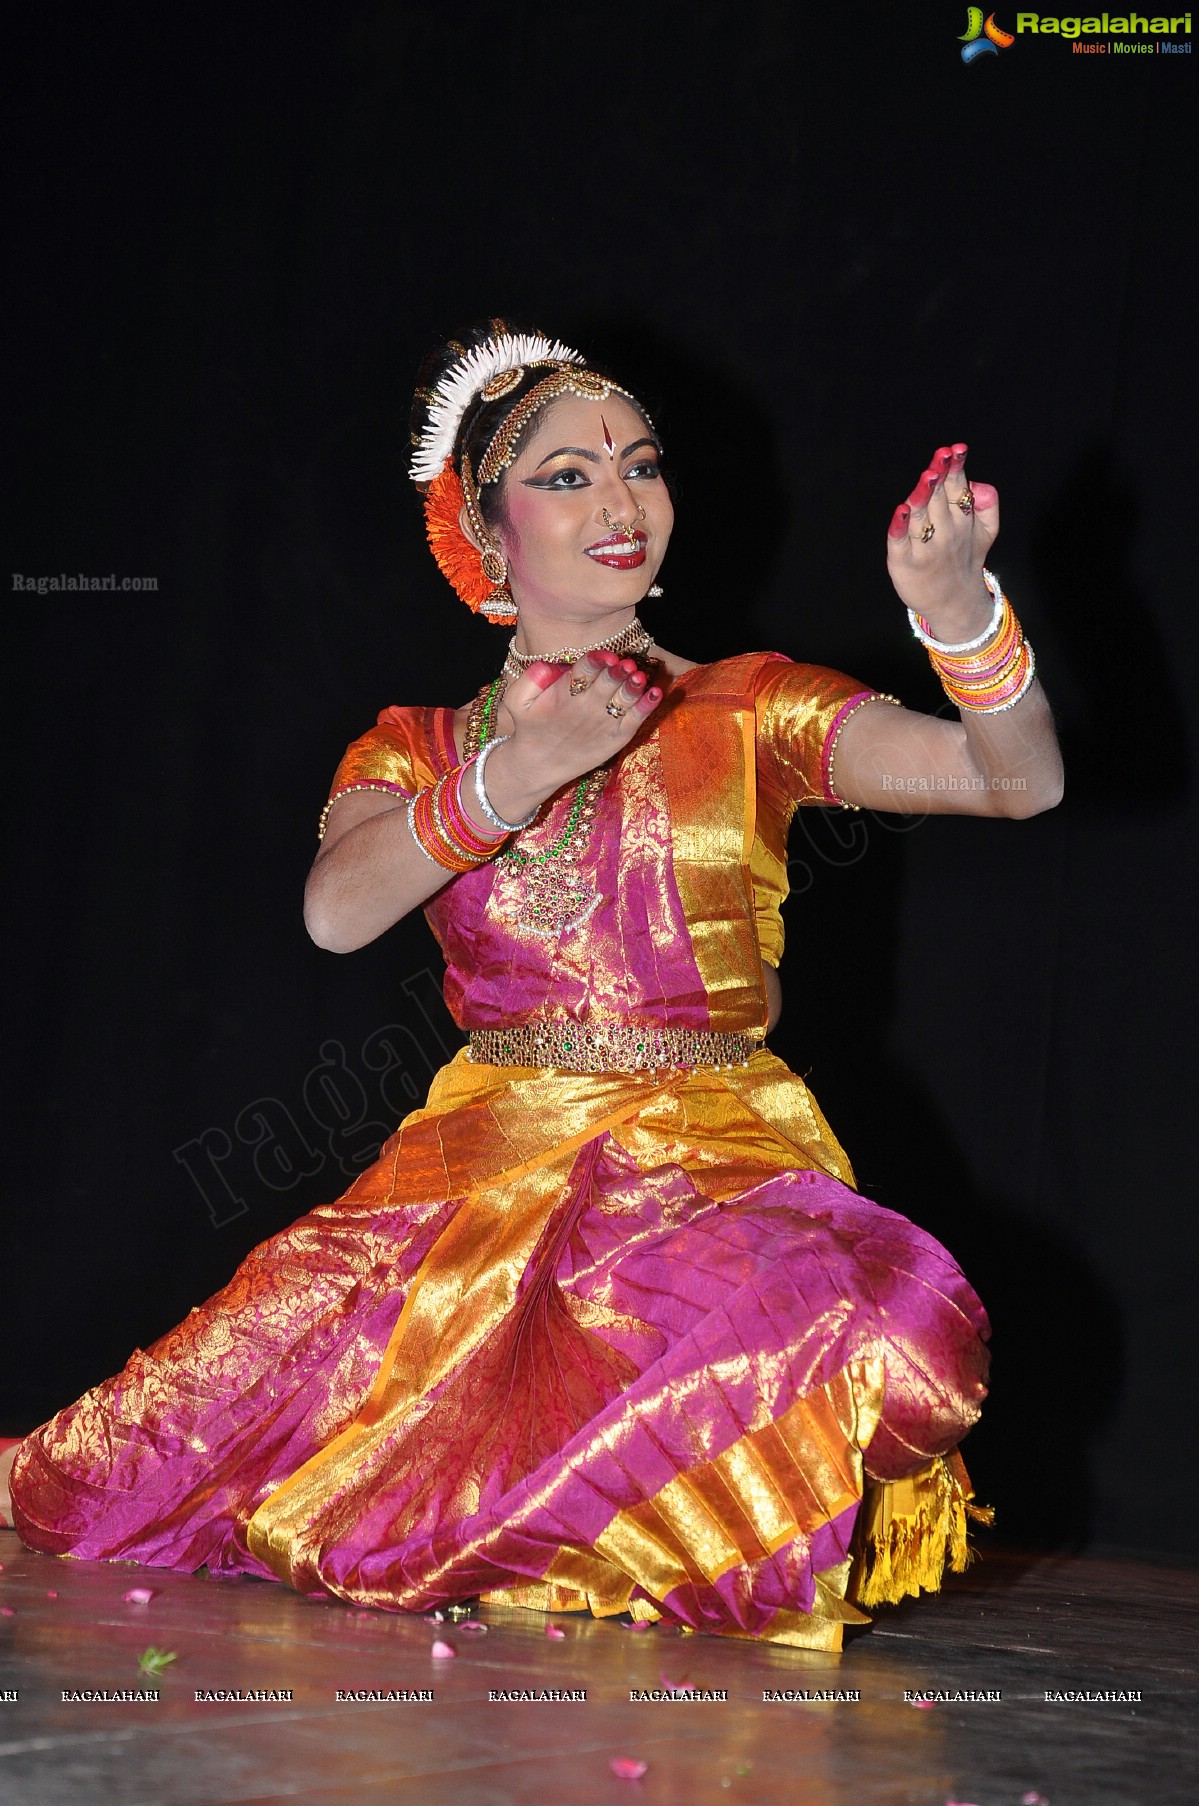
(620, 526)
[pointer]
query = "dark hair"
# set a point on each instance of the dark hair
(483, 419)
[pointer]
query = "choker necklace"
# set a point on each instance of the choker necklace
(631, 639)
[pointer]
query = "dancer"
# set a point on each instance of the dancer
(606, 1324)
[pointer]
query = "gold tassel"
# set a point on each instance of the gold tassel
(910, 1530)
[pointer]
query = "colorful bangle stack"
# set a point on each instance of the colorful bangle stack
(989, 673)
(444, 831)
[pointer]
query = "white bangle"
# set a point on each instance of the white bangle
(482, 798)
(411, 814)
(988, 633)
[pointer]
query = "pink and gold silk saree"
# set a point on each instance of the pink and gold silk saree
(626, 1341)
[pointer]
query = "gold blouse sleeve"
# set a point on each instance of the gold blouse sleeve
(801, 710)
(392, 756)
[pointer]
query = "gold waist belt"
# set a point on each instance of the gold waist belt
(607, 1047)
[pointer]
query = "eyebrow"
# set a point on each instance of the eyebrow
(578, 451)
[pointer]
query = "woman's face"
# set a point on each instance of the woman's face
(578, 458)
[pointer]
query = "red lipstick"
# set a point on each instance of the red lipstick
(618, 552)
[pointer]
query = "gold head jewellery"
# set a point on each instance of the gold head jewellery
(478, 576)
(490, 370)
(498, 603)
(568, 379)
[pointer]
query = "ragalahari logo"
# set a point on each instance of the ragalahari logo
(983, 37)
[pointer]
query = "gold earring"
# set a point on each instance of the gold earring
(494, 566)
(500, 605)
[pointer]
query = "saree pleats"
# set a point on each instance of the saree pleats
(581, 1364)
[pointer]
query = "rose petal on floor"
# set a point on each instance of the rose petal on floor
(627, 1768)
(139, 1595)
(555, 1633)
(442, 1652)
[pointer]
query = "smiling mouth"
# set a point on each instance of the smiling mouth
(619, 551)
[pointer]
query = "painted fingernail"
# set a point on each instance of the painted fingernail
(899, 521)
(959, 452)
(944, 457)
(637, 679)
(653, 694)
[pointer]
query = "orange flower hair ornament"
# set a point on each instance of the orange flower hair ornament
(493, 369)
(471, 575)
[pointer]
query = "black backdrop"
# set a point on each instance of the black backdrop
(819, 246)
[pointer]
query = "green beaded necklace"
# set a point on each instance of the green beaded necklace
(587, 789)
(555, 897)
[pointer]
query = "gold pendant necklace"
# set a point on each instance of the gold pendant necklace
(548, 895)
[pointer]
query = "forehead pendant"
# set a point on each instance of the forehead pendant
(609, 442)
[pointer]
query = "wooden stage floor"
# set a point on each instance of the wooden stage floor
(1016, 1626)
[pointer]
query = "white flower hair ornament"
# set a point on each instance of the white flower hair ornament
(477, 570)
(506, 356)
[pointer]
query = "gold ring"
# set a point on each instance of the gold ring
(926, 532)
(578, 685)
(965, 501)
(614, 709)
